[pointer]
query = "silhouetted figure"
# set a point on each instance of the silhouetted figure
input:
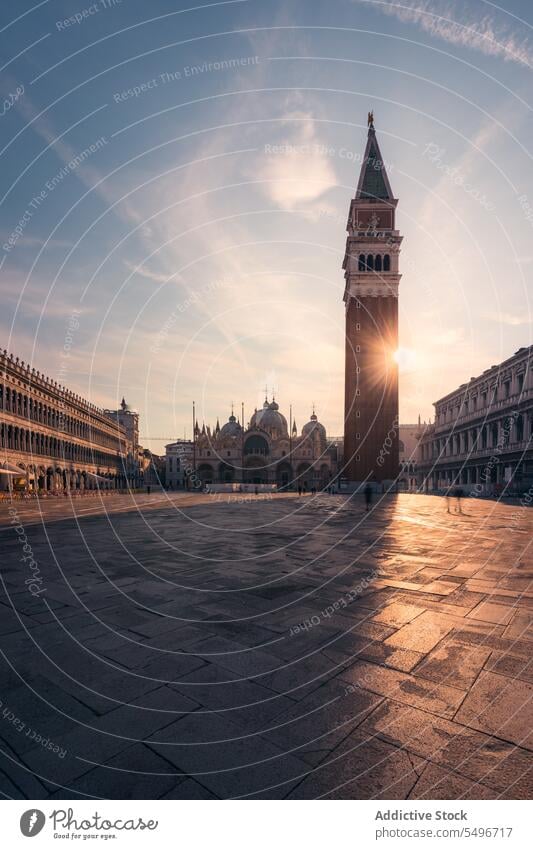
(456, 493)
(148, 489)
(368, 496)
(299, 489)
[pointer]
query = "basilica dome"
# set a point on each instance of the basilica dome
(314, 426)
(274, 422)
(231, 428)
(270, 420)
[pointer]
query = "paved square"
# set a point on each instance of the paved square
(185, 647)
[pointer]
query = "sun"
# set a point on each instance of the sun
(405, 358)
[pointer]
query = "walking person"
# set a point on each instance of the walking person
(368, 496)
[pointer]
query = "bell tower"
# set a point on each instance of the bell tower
(371, 272)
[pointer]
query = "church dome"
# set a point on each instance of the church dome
(272, 421)
(231, 428)
(312, 426)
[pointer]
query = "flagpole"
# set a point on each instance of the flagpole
(290, 443)
(242, 441)
(193, 437)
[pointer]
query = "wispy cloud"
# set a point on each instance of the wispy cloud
(510, 319)
(143, 271)
(454, 23)
(294, 171)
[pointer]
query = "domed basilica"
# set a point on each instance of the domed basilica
(265, 452)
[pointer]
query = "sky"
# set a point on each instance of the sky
(176, 179)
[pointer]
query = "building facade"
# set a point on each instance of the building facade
(371, 271)
(127, 420)
(408, 454)
(53, 437)
(482, 435)
(264, 452)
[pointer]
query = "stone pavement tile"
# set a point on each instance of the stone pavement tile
(246, 703)
(469, 753)
(484, 586)
(501, 706)
(108, 691)
(487, 611)
(321, 721)
(298, 679)
(189, 789)
(373, 630)
(520, 626)
(439, 783)
(48, 767)
(401, 659)
(167, 668)
(423, 633)
(489, 637)
(237, 657)
(453, 663)
(8, 790)
(157, 625)
(438, 698)
(377, 599)
(215, 752)
(397, 614)
(400, 585)
(217, 688)
(462, 598)
(135, 773)
(464, 570)
(427, 573)
(440, 604)
(14, 772)
(361, 768)
(441, 587)
(511, 665)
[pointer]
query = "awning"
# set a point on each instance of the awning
(9, 467)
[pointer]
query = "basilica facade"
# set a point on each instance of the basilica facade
(268, 450)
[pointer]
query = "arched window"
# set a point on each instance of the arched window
(370, 262)
(362, 264)
(256, 444)
(377, 264)
(386, 262)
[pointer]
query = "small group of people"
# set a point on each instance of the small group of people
(302, 489)
(457, 493)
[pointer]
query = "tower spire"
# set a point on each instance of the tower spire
(373, 180)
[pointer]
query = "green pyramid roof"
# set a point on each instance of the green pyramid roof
(373, 181)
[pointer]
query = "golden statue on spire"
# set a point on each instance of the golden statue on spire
(371, 120)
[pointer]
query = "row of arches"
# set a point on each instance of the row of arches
(256, 472)
(494, 435)
(33, 410)
(374, 262)
(53, 479)
(28, 441)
